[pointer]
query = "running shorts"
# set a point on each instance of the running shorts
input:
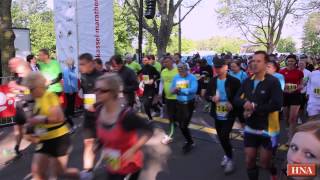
(256, 141)
(56, 147)
(292, 99)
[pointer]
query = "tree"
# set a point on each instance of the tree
(35, 15)
(261, 22)
(6, 36)
(311, 39)
(286, 45)
(42, 32)
(221, 44)
(125, 29)
(161, 27)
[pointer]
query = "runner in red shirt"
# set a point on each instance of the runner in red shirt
(292, 92)
(117, 131)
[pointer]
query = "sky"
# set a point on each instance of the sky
(202, 23)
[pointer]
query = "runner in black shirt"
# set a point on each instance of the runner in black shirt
(88, 77)
(149, 76)
(261, 97)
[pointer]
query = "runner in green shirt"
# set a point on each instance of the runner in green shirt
(167, 76)
(51, 70)
(132, 64)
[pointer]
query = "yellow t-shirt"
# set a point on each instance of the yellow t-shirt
(42, 107)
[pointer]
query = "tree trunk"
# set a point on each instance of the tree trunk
(6, 37)
(270, 48)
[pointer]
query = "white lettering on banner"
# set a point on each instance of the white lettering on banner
(97, 24)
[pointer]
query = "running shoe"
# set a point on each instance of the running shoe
(188, 147)
(229, 168)
(17, 150)
(166, 140)
(224, 161)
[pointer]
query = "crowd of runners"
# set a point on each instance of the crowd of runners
(258, 91)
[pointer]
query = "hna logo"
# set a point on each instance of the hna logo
(302, 170)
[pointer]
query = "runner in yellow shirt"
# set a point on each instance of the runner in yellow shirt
(48, 130)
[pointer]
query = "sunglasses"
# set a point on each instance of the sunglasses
(102, 91)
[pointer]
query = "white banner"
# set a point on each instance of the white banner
(66, 29)
(84, 26)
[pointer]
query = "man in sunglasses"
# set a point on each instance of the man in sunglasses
(89, 74)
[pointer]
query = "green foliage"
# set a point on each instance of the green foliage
(221, 44)
(286, 45)
(35, 15)
(125, 29)
(311, 39)
(42, 31)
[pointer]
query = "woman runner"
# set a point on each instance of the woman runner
(117, 131)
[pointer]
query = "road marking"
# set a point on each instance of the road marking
(213, 131)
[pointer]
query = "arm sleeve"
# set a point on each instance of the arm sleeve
(282, 82)
(173, 84)
(236, 85)
(56, 80)
(209, 91)
(239, 99)
(275, 102)
(193, 87)
(132, 121)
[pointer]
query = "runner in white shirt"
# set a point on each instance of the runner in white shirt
(313, 92)
(306, 74)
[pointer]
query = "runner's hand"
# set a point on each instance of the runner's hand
(229, 106)
(128, 155)
(248, 106)
(215, 99)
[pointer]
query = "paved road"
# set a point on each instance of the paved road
(161, 162)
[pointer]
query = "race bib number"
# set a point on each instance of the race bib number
(222, 110)
(317, 91)
(183, 84)
(145, 78)
(112, 158)
(291, 87)
(89, 100)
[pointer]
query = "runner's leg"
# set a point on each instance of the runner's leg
(40, 165)
(252, 168)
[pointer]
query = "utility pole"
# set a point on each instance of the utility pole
(140, 38)
(180, 29)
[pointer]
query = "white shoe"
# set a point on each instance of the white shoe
(85, 175)
(224, 161)
(166, 140)
(299, 121)
(229, 168)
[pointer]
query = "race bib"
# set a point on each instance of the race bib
(291, 87)
(89, 100)
(183, 84)
(206, 80)
(26, 92)
(145, 78)
(112, 158)
(317, 91)
(222, 110)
